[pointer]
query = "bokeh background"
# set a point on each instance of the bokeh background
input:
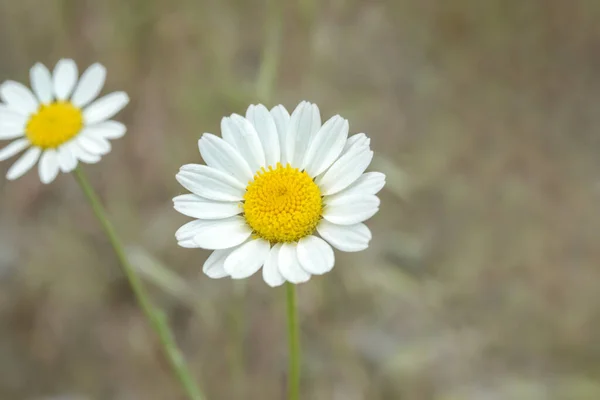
(482, 280)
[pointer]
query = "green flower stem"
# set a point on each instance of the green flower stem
(293, 343)
(237, 353)
(156, 318)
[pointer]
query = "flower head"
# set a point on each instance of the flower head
(270, 185)
(56, 122)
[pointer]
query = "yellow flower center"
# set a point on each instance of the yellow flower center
(54, 124)
(282, 204)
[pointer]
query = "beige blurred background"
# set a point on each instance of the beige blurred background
(482, 279)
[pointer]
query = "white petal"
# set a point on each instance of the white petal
(106, 130)
(81, 154)
(348, 238)
(210, 183)
(12, 124)
(10, 134)
(359, 139)
(48, 166)
(24, 164)
(265, 126)
(368, 183)
(188, 231)
(239, 132)
(64, 78)
(198, 207)
(282, 119)
(304, 124)
(270, 270)
(94, 144)
(66, 159)
(214, 264)
(41, 83)
(347, 169)
(12, 119)
(219, 154)
(18, 98)
(289, 266)
(13, 148)
(350, 210)
(326, 146)
(247, 259)
(222, 233)
(188, 244)
(315, 255)
(105, 107)
(90, 85)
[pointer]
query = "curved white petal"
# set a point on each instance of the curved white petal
(222, 233)
(247, 259)
(265, 126)
(214, 265)
(210, 183)
(197, 207)
(219, 154)
(89, 86)
(239, 132)
(13, 148)
(315, 255)
(18, 98)
(326, 146)
(94, 144)
(81, 154)
(41, 83)
(270, 270)
(356, 140)
(24, 164)
(48, 166)
(64, 78)
(106, 130)
(289, 266)
(105, 107)
(66, 158)
(350, 210)
(347, 169)
(367, 183)
(281, 117)
(349, 238)
(187, 231)
(188, 244)
(12, 124)
(304, 124)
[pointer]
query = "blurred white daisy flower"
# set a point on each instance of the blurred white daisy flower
(56, 122)
(270, 185)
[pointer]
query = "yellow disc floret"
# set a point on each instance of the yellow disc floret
(282, 204)
(54, 124)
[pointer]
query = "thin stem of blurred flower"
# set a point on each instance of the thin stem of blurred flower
(267, 74)
(156, 318)
(293, 342)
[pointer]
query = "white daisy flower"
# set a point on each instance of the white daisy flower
(56, 122)
(270, 184)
